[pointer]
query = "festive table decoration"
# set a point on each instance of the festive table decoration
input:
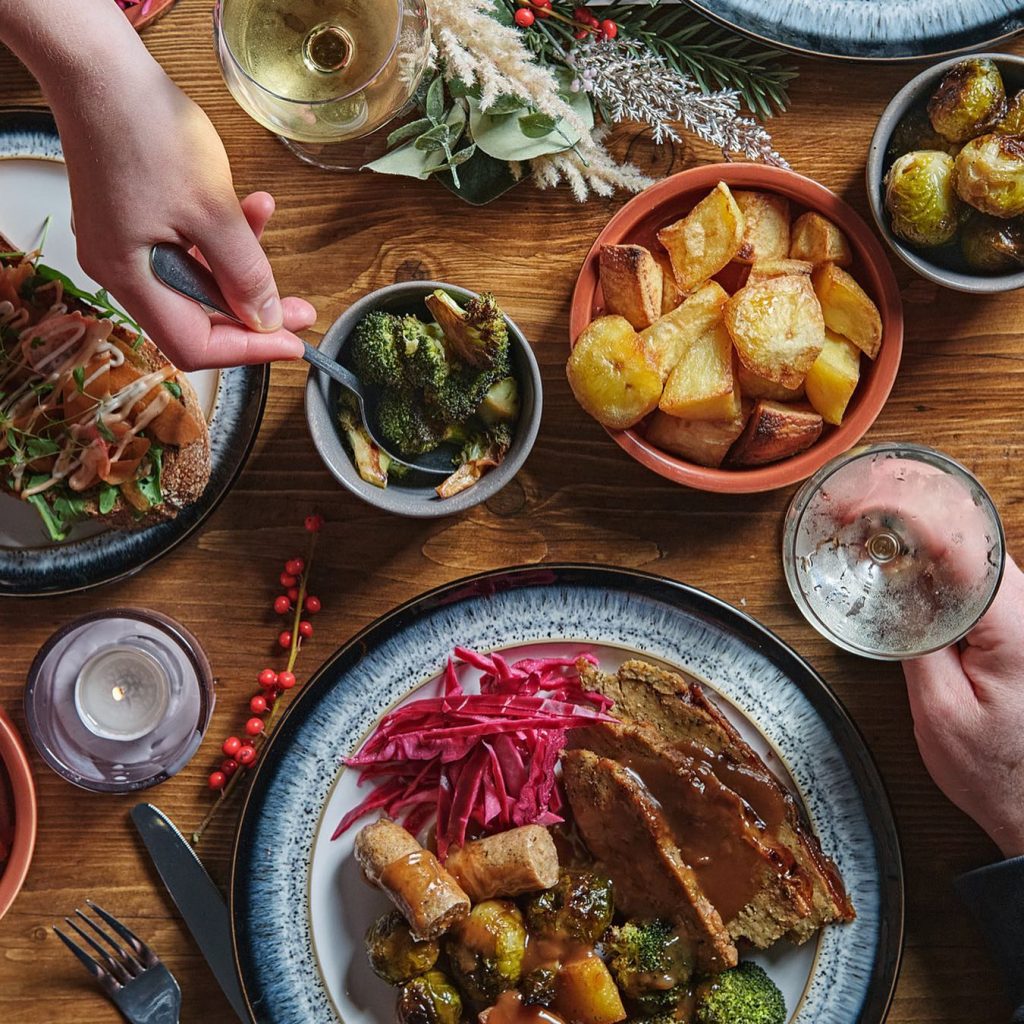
(533, 87)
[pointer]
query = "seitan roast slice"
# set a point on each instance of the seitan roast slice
(750, 878)
(623, 826)
(685, 718)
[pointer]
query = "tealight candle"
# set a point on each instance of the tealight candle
(118, 701)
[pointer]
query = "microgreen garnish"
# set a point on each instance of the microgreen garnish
(101, 299)
(108, 498)
(104, 431)
(174, 387)
(79, 375)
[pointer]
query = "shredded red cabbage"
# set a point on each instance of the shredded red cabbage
(481, 762)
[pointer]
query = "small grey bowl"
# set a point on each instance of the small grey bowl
(415, 498)
(915, 93)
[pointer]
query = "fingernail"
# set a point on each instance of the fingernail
(271, 314)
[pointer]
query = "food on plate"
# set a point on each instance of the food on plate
(508, 863)
(775, 430)
(921, 198)
(675, 845)
(832, 380)
(969, 100)
(1012, 122)
(426, 894)
(915, 132)
(992, 245)
(847, 308)
(989, 174)
(631, 281)
(613, 374)
(94, 422)
(700, 244)
(691, 378)
(816, 239)
(765, 226)
(450, 382)
(395, 954)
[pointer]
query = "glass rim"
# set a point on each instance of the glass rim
(797, 508)
(223, 39)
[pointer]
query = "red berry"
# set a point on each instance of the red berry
(285, 639)
(542, 8)
(217, 780)
(272, 696)
(581, 33)
(294, 567)
(254, 726)
(286, 680)
(229, 766)
(581, 14)
(293, 594)
(282, 605)
(287, 580)
(305, 629)
(312, 604)
(314, 523)
(246, 755)
(268, 678)
(524, 17)
(258, 704)
(231, 745)
(609, 29)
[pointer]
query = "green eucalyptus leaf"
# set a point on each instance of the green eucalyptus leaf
(536, 126)
(435, 99)
(408, 131)
(501, 13)
(506, 104)
(433, 139)
(459, 158)
(407, 161)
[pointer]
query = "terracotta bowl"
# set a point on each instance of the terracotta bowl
(638, 223)
(14, 762)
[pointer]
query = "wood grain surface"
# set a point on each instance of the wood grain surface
(578, 497)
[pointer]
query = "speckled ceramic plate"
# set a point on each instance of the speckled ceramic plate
(34, 186)
(299, 907)
(871, 29)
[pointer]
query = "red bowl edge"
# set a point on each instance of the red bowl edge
(16, 762)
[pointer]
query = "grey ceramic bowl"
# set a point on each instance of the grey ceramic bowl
(411, 497)
(916, 93)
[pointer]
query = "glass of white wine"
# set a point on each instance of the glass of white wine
(893, 551)
(327, 76)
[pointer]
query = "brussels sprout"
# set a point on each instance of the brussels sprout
(1012, 122)
(970, 99)
(394, 954)
(538, 987)
(989, 174)
(485, 951)
(915, 131)
(992, 245)
(920, 197)
(579, 905)
(429, 999)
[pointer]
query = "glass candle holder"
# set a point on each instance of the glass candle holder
(119, 700)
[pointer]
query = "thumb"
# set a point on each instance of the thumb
(242, 270)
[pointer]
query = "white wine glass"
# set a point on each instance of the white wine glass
(327, 76)
(893, 551)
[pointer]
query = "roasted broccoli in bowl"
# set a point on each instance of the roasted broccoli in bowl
(743, 995)
(651, 963)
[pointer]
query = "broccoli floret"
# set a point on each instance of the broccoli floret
(371, 463)
(476, 335)
(404, 424)
(501, 403)
(374, 349)
(480, 452)
(426, 362)
(651, 963)
(743, 995)
(464, 391)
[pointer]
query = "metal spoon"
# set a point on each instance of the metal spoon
(184, 274)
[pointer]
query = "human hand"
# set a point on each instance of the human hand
(968, 708)
(146, 166)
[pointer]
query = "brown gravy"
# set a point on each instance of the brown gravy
(510, 1009)
(416, 878)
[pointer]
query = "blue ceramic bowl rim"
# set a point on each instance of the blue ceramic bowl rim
(910, 94)
(418, 504)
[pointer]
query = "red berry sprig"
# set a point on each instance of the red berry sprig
(584, 23)
(240, 753)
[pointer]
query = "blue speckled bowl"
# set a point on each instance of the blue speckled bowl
(299, 908)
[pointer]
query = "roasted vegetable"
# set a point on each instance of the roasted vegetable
(585, 993)
(579, 906)
(816, 240)
(632, 283)
(424, 356)
(743, 995)
(1012, 122)
(914, 132)
(501, 403)
(374, 350)
(989, 174)
(538, 987)
(992, 245)
(921, 199)
(485, 951)
(394, 954)
(651, 963)
(970, 99)
(479, 453)
(405, 425)
(429, 999)
(476, 335)
(371, 463)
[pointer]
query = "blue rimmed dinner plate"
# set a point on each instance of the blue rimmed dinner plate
(34, 189)
(299, 906)
(871, 29)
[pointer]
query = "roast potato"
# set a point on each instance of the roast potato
(667, 339)
(705, 240)
(632, 284)
(753, 386)
(763, 270)
(833, 378)
(705, 442)
(766, 226)
(585, 993)
(847, 309)
(816, 239)
(671, 295)
(775, 431)
(703, 384)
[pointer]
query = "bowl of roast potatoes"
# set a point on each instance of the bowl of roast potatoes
(734, 327)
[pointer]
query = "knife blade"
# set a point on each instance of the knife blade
(195, 895)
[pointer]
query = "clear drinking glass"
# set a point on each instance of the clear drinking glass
(327, 76)
(893, 551)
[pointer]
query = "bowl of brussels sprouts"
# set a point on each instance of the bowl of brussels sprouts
(945, 173)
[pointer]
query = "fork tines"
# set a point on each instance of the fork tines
(116, 966)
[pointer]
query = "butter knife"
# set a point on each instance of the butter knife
(195, 895)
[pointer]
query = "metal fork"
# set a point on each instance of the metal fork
(133, 978)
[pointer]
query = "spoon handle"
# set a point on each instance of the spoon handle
(184, 274)
(334, 370)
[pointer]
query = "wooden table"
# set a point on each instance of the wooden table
(578, 498)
